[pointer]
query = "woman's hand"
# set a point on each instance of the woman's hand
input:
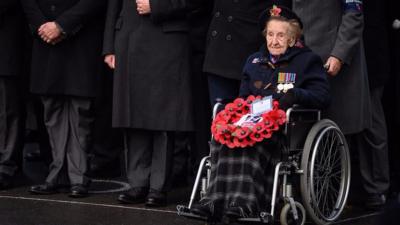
(333, 66)
(143, 7)
(110, 60)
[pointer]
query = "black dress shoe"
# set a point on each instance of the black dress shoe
(78, 191)
(156, 198)
(205, 210)
(44, 189)
(134, 196)
(375, 201)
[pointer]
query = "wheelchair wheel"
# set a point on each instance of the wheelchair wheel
(325, 180)
(286, 217)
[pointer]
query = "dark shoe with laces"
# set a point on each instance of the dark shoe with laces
(78, 191)
(156, 198)
(44, 189)
(134, 196)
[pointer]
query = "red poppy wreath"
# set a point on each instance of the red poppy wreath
(226, 130)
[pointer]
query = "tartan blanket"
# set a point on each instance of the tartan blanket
(243, 176)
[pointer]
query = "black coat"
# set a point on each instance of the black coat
(73, 66)
(12, 42)
(233, 35)
(376, 40)
(311, 87)
(152, 74)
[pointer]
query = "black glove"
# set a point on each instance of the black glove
(287, 100)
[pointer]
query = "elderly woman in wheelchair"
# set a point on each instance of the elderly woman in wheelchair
(242, 179)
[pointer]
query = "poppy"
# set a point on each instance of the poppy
(257, 137)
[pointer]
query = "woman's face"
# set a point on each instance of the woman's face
(277, 37)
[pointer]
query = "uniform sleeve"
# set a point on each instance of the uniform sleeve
(350, 31)
(163, 10)
(314, 93)
(73, 19)
(113, 9)
(33, 14)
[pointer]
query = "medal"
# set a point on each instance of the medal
(280, 88)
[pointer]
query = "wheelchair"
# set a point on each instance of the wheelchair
(315, 157)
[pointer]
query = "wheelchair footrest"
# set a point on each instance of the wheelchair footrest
(264, 218)
(185, 211)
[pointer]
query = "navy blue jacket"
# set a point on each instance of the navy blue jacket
(311, 87)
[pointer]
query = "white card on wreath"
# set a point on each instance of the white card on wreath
(261, 106)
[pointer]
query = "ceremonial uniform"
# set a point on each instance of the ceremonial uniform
(299, 68)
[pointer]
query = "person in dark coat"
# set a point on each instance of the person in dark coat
(232, 36)
(147, 44)
(373, 141)
(66, 73)
(391, 99)
(241, 183)
(334, 30)
(11, 63)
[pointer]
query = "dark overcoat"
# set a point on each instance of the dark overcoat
(12, 40)
(334, 28)
(311, 87)
(73, 66)
(152, 74)
(376, 52)
(233, 35)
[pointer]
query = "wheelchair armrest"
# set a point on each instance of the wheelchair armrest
(297, 109)
(300, 109)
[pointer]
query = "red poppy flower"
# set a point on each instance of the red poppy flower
(242, 132)
(240, 103)
(230, 107)
(266, 134)
(275, 11)
(258, 128)
(256, 137)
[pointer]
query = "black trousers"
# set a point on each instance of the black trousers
(68, 121)
(11, 125)
(149, 158)
(373, 149)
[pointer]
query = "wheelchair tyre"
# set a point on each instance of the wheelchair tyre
(286, 217)
(325, 180)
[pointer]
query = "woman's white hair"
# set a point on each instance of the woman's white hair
(294, 30)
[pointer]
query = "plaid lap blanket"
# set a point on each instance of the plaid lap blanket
(243, 176)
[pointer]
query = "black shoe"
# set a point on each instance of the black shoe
(375, 201)
(78, 191)
(5, 182)
(44, 189)
(134, 196)
(205, 210)
(156, 198)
